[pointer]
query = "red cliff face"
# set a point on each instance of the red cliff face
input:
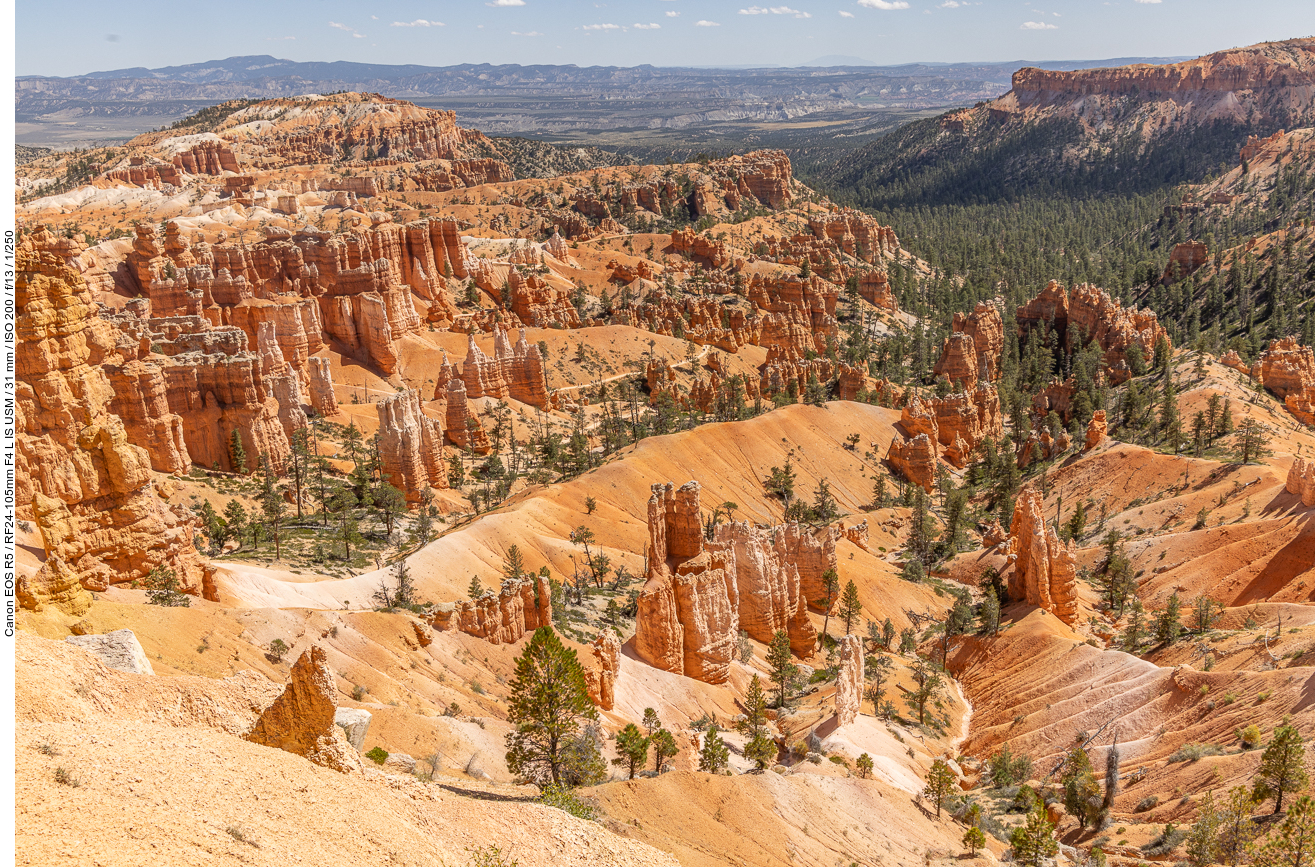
(1258, 67)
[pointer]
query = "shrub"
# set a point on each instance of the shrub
(489, 856)
(378, 755)
(564, 799)
(1193, 752)
(65, 777)
(1168, 840)
(1147, 804)
(241, 836)
(358, 693)
(1249, 736)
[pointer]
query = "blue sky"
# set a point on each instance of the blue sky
(77, 36)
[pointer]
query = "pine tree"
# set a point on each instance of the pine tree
(1236, 829)
(272, 506)
(755, 710)
(1282, 767)
(1034, 840)
(162, 589)
(864, 765)
(513, 563)
(940, 783)
(1168, 625)
(990, 613)
(715, 755)
(237, 454)
(475, 589)
(651, 722)
(781, 664)
(1203, 839)
(1133, 634)
(548, 702)
(236, 516)
(831, 584)
(1081, 793)
(664, 747)
(631, 748)
(824, 503)
(850, 606)
(973, 839)
(1293, 843)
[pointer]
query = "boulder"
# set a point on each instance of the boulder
(354, 722)
(301, 719)
(118, 649)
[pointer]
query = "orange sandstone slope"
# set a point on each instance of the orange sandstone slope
(730, 460)
(170, 748)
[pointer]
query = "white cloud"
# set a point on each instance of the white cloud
(702, 23)
(419, 22)
(951, 4)
(844, 14)
(1037, 25)
(505, 3)
(346, 29)
(882, 4)
(774, 10)
(1147, 2)
(530, 33)
(602, 27)
(374, 17)
(673, 14)
(648, 26)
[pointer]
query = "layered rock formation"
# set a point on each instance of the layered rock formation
(958, 422)
(514, 372)
(770, 593)
(86, 486)
(972, 351)
(1184, 260)
(700, 594)
(915, 458)
(1096, 317)
(1045, 574)
(600, 676)
(410, 445)
(319, 381)
(849, 682)
(1301, 480)
(518, 607)
(460, 426)
(354, 286)
(300, 721)
(1097, 429)
(1285, 368)
(1264, 85)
